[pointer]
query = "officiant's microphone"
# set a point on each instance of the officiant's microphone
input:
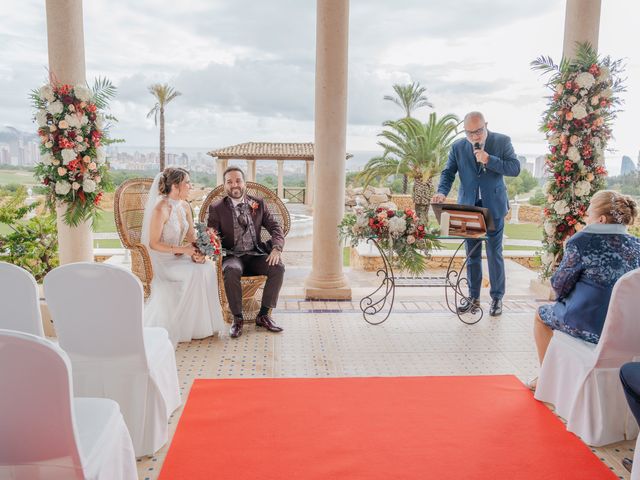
(482, 166)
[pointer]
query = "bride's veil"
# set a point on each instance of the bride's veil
(152, 199)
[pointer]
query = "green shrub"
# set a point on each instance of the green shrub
(31, 243)
(538, 198)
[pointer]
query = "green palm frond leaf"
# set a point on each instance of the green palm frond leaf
(103, 91)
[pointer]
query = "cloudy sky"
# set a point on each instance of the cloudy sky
(246, 67)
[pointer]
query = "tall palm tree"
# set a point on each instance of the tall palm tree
(163, 94)
(409, 97)
(418, 150)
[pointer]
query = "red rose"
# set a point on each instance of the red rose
(561, 227)
(390, 213)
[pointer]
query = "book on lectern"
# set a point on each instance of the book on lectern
(463, 220)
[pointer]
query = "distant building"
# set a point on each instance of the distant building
(523, 162)
(539, 167)
(627, 166)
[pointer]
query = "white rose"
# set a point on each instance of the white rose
(82, 93)
(549, 228)
(88, 185)
(55, 108)
(573, 99)
(411, 239)
(46, 158)
(582, 188)
(547, 258)
(84, 120)
(397, 226)
(75, 185)
(561, 207)
(594, 100)
(72, 120)
(41, 117)
(46, 93)
(62, 187)
(100, 122)
(579, 111)
(100, 155)
(554, 139)
(81, 147)
(585, 80)
(573, 154)
(606, 93)
(68, 155)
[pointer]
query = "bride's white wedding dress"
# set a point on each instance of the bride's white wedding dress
(184, 294)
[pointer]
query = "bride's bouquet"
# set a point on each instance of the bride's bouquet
(207, 241)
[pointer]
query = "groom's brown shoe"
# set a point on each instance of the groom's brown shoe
(267, 322)
(236, 327)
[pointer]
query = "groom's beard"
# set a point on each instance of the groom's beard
(236, 192)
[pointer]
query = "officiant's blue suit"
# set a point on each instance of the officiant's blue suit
(484, 188)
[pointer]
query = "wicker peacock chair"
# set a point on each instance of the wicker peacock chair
(130, 200)
(251, 286)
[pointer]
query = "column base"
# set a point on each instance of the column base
(327, 289)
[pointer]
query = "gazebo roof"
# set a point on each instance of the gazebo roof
(267, 151)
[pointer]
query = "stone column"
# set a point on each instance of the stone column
(308, 194)
(280, 178)
(219, 171)
(581, 24)
(65, 39)
(327, 280)
(251, 170)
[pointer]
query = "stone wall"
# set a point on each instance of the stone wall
(527, 214)
(369, 197)
(403, 201)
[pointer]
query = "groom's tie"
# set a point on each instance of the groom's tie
(243, 219)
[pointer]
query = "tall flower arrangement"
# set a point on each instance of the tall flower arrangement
(73, 131)
(577, 125)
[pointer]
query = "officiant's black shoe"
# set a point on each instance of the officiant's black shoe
(236, 328)
(467, 306)
(267, 322)
(495, 310)
(627, 463)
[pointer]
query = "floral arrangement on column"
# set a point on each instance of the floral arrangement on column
(73, 132)
(577, 125)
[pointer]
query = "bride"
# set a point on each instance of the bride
(184, 289)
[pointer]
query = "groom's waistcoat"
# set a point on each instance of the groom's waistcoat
(222, 219)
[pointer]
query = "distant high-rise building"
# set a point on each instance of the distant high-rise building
(627, 166)
(539, 167)
(523, 162)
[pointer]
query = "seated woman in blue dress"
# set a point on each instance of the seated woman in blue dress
(594, 259)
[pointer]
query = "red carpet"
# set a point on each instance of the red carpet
(487, 427)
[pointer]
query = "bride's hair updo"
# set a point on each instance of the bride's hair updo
(171, 176)
(618, 208)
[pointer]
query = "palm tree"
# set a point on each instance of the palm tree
(409, 97)
(163, 94)
(418, 150)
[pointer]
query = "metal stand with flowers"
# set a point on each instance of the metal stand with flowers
(73, 134)
(577, 124)
(401, 240)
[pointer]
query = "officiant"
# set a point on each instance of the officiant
(481, 160)
(239, 218)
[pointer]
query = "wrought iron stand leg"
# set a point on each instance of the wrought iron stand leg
(371, 307)
(455, 280)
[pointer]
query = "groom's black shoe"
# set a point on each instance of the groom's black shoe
(468, 305)
(267, 322)
(495, 310)
(236, 327)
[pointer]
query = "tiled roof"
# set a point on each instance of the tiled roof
(267, 151)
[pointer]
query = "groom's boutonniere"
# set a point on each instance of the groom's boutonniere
(254, 206)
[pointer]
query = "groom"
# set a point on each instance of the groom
(239, 218)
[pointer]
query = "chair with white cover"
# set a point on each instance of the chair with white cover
(46, 433)
(98, 312)
(20, 300)
(635, 471)
(582, 379)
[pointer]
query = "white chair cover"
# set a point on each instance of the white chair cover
(98, 313)
(20, 300)
(582, 380)
(635, 470)
(45, 432)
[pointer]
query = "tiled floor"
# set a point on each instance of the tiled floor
(325, 339)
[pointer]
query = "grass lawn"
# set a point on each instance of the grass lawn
(523, 231)
(21, 177)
